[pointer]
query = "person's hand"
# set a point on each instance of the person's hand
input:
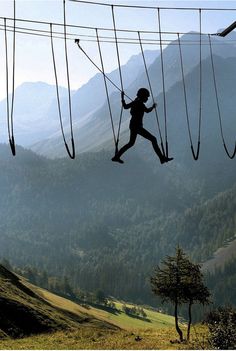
(122, 95)
(154, 105)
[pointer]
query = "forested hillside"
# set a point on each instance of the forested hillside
(106, 226)
(93, 131)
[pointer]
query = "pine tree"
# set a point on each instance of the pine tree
(180, 281)
(194, 290)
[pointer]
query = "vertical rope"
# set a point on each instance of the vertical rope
(231, 156)
(106, 88)
(10, 110)
(57, 88)
(72, 155)
(163, 81)
(185, 92)
(151, 91)
(196, 155)
(117, 47)
(7, 78)
(121, 80)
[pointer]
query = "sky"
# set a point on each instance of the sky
(33, 53)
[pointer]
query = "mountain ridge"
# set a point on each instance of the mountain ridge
(96, 133)
(24, 312)
(102, 218)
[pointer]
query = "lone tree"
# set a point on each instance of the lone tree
(194, 290)
(179, 281)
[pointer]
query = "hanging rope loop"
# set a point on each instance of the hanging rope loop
(106, 88)
(117, 47)
(163, 81)
(195, 154)
(10, 111)
(71, 152)
(151, 91)
(230, 155)
(12, 145)
(120, 74)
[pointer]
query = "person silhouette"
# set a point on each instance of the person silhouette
(137, 109)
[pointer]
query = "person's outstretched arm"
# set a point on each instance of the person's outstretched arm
(125, 106)
(149, 109)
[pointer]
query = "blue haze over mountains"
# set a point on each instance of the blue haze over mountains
(36, 119)
(36, 113)
(100, 223)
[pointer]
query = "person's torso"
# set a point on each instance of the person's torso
(137, 111)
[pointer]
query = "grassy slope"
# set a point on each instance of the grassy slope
(87, 338)
(24, 312)
(221, 256)
(120, 319)
(87, 328)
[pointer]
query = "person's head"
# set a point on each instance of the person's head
(143, 94)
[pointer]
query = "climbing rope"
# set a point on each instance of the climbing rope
(194, 153)
(106, 87)
(10, 111)
(70, 153)
(151, 91)
(163, 81)
(77, 41)
(120, 74)
(231, 156)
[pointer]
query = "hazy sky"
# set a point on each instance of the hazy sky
(33, 53)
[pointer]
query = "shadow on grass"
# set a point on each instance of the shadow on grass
(144, 319)
(106, 308)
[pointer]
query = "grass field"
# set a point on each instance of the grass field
(104, 329)
(154, 319)
(91, 339)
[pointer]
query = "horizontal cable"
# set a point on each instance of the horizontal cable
(106, 39)
(154, 7)
(99, 28)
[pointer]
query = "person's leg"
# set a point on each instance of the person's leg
(133, 136)
(144, 133)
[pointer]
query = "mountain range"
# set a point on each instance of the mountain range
(105, 225)
(35, 109)
(92, 131)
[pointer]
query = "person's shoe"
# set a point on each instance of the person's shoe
(117, 159)
(162, 160)
(166, 159)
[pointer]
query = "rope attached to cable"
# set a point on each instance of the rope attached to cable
(185, 92)
(194, 153)
(121, 80)
(70, 153)
(163, 81)
(231, 156)
(10, 111)
(151, 91)
(106, 87)
(77, 41)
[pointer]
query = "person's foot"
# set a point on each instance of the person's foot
(169, 159)
(117, 159)
(166, 159)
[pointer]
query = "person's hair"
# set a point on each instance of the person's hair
(143, 92)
